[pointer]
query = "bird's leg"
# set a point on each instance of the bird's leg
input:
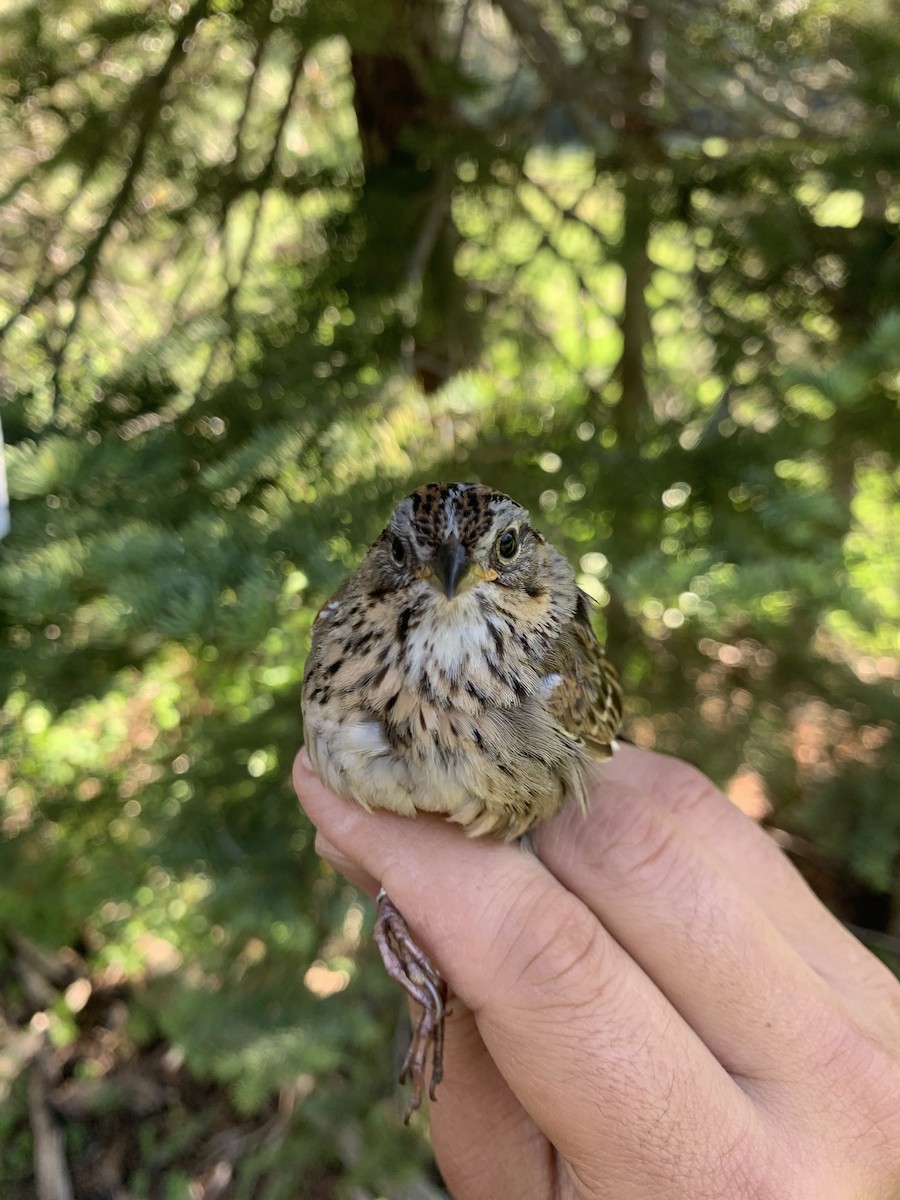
(405, 962)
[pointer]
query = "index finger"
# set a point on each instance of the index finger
(595, 1053)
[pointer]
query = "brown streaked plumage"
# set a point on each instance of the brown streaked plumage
(457, 672)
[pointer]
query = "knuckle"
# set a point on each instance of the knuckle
(642, 842)
(866, 1084)
(852, 1113)
(552, 946)
(687, 788)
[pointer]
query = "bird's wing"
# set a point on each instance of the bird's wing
(319, 641)
(583, 690)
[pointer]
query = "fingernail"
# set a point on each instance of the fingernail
(305, 761)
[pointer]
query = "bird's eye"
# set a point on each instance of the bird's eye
(398, 552)
(507, 544)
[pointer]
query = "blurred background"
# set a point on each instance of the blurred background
(267, 265)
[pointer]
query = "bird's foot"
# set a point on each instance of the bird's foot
(410, 966)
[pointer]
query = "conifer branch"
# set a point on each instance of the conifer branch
(438, 210)
(149, 107)
(267, 176)
(145, 103)
(584, 98)
(52, 1178)
(216, 239)
(264, 180)
(234, 284)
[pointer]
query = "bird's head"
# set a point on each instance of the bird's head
(458, 535)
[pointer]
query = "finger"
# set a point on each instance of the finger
(748, 856)
(701, 936)
(484, 1141)
(486, 1144)
(592, 1049)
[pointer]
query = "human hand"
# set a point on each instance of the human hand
(658, 1008)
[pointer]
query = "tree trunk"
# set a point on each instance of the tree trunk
(405, 123)
(640, 153)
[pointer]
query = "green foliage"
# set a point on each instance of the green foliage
(244, 311)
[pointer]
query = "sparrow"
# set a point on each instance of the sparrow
(456, 672)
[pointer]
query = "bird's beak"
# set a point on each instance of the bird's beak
(451, 565)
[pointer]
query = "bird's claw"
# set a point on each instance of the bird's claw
(410, 966)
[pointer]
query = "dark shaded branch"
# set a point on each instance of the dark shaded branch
(582, 97)
(150, 106)
(268, 174)
(63, 152)
(265, 180)
(437, 213)
(146, 103)
(235, 282)
(639, 148)
(875, 938)
(51, 1172)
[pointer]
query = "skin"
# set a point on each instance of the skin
(655, 1008)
